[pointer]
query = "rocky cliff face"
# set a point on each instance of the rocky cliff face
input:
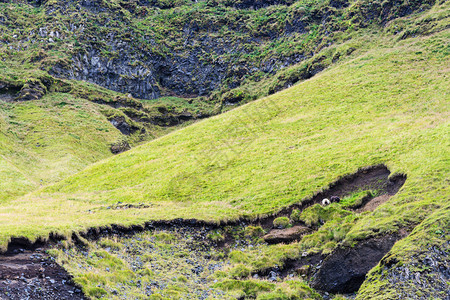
(199, 62)
(117, 74)
(187, 48)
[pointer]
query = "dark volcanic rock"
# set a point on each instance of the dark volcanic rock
(31, 91)
(33, 275)
(345, 269)
(426, 276)
(121, 124)
(117, 74)
(191, 49)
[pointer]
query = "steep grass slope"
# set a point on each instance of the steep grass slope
(387, 106)
(46, 140)
(65, 38)
(51, 128)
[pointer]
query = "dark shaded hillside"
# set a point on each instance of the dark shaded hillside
(185, 48)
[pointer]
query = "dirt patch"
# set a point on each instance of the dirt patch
(34, 275)
(376, 177)
(286, 235)
(374, 203)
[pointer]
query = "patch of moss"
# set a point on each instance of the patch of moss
(216, 236)
(291, 290)
(295, 215)
(356, 199)
(240, 271)
(318, 214)
(245, 288)
(282, 222)
(254, 231)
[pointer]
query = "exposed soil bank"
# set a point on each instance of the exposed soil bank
(372, 177)
(342, 271)
(368, 178)
(34, 275)
(345, 269)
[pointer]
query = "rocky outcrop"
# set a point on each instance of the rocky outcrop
(117, 74)
(120, 147)
(205, 61)
(205, 57)
(31, 91)
(425, 276)
(123, 126)
(35, 275)
(146, 75)
(288, 235)
(151, 48)
(345, 269)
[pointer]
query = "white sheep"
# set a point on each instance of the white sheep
(325, 202)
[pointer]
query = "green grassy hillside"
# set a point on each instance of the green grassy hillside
(44, 141)
(61, 132)
(63, 129)
(388, 105)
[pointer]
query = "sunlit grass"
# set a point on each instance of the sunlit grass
(44, 141)
(388, 106)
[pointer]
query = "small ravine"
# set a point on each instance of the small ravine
(184, 259)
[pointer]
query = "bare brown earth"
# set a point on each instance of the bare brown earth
(276, 236)
(374, 203)
(34, 275)
(376, 177)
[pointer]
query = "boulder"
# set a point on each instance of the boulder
(287, 235)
